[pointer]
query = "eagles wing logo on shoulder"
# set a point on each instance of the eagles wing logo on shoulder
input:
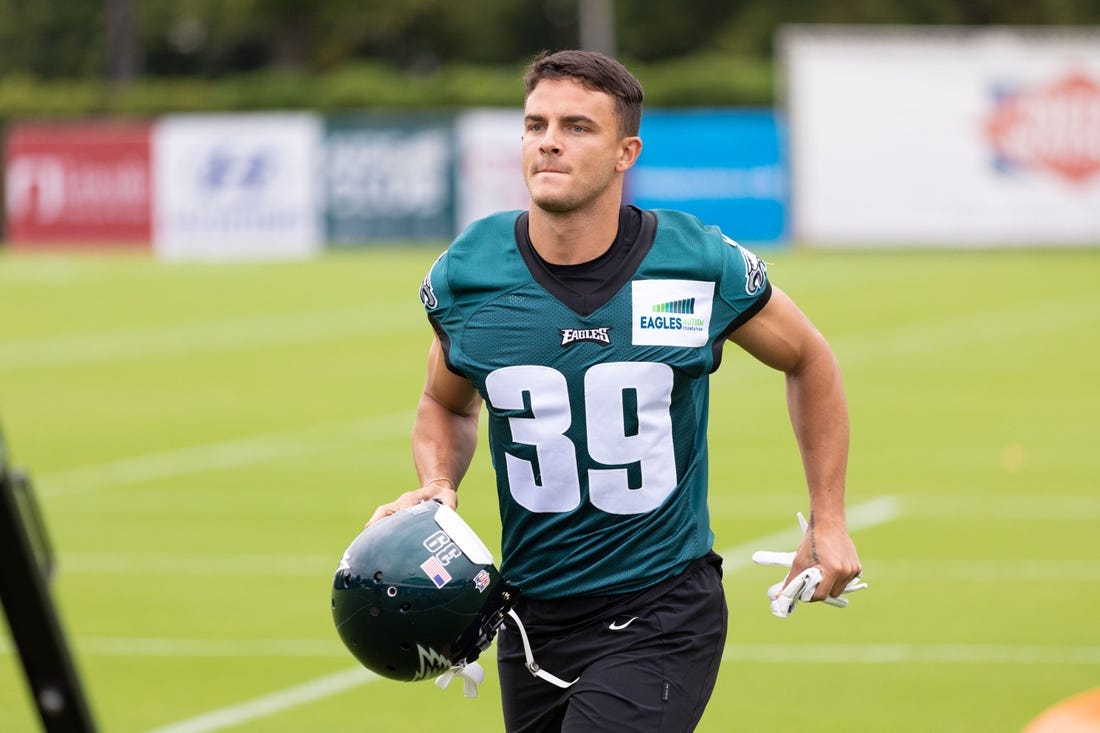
(427, 295)
(755, 269)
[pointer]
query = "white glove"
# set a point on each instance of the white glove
(802, 587)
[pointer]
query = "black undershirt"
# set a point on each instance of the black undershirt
(587, 286)
(587, 277)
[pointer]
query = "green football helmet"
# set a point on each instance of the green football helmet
(417, 595)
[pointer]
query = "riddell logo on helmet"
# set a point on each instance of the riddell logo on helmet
(1053, 127)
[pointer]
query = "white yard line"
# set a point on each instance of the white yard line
(235, 648)
(1006, 570)
(893, 569)
(96, 646)
(328, 686)
(195, 564)
(1026, 654)
(862, 516)
(1012, 654)
(1039, 504)
(276, 702)
(189, 339)
(869, 514)
(242, 451)
(967, 330)
(912, 654)
(1036, 506)
(950, 507)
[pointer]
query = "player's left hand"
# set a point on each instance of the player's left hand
(785, 595)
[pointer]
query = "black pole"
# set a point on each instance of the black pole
(123, 59)
(25, 559)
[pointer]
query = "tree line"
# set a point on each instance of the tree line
(131, 39)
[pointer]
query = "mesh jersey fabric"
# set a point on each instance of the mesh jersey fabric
(597, 416)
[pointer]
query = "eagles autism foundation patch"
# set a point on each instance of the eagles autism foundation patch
(671, 312)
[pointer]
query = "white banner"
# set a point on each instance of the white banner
(490, 171)
(237, 186)
(964, 136)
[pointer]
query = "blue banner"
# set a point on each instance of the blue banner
(727, 167)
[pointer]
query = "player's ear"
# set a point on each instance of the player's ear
(629, 150)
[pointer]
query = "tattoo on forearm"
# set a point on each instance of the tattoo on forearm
(813, 540)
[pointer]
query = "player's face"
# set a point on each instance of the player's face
(573, 152)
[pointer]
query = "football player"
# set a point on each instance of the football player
(587, 329)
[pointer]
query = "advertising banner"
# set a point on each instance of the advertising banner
(727, 167)
(389, 177)
(237, 186)
(490, 171)
(76, 184)
(983, 137)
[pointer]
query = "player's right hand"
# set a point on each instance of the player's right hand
(433, 491)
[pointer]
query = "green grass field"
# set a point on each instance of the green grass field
(206, 440)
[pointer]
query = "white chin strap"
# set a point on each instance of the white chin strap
(471, 674)
(533, 668)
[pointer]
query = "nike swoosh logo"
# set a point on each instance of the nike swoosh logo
(615, 626)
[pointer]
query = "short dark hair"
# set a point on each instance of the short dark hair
(596, 72)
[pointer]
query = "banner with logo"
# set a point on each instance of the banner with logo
(237, 186)
(727, 167)
(944, 136)
(389, 177)
(77, 184)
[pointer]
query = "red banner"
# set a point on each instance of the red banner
(78, 184)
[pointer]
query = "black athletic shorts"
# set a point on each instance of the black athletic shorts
(646, 661)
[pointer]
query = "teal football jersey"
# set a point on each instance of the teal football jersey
(597, 405)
